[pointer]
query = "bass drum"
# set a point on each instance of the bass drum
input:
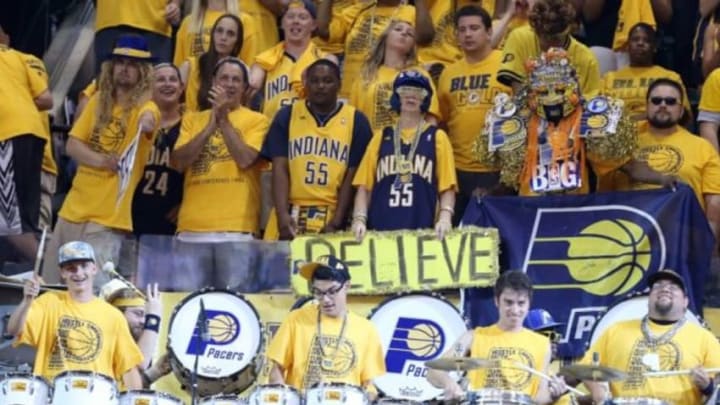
(229, 357)
(414, 328)
(632, 307)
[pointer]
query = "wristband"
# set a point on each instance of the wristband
(146, 383)
(152, 322)
(708, 391)
(449, 209)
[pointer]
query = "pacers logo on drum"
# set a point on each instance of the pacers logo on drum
(601, 250)
(413, 342)
(223, 329)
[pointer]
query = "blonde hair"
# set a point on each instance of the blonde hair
(199, 7)
(141, 92)
(376, 56)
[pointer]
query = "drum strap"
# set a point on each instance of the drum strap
(337, 343)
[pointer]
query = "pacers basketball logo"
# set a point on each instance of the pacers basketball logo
(413, 339)
(666, 159)
(79, 341)
(509, 377)
(222, 329)
(602, 250)
(645, 358)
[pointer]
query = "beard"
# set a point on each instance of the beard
(663, 308)
(662, 123)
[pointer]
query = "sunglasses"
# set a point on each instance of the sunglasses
(552, 335)
(660, 100)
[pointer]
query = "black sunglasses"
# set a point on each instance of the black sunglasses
(667, 100)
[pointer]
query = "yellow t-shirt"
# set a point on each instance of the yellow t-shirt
(283, 75)
(467, 91)
(24, 79)
(515, 23)
(359, 28)
(92, 197)
(623, 347)
(69, 335)
(219, 196)
(148, 15)
(444, 48)
(631, 12)
(373, 98)
(265, 22)
(444, 162)
(38, 68)
(710, 96)
(522, 44)
(682, 154)
(630, 84)
(525, 347)
(358, 355)
(338, 7)
(188, 44)
(193, 85)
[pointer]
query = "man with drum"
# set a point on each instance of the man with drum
(143, 314)
(649, 348)
(74, 330)
(325, 342)
(514, 355)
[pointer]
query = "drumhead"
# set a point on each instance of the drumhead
(83, 374)
(235, 334)
(414, 328)
(631, 307)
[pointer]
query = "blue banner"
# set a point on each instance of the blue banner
(585, 253)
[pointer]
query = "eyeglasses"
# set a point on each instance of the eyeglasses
(552, 335)
(330, 293)
(660, 100)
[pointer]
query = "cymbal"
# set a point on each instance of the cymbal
(458, 363)
(592, 373)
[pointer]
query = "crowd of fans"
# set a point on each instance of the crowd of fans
(232, 107)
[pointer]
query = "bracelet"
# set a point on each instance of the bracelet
(449, 209)
(152, 322)
(360, 217)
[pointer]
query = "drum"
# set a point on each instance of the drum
(24, 389)
(148, 397)
(275, 394)
(394, 401)
(414, 328)
(223, 400)
(632, 307)
(228, 357)
(84, 388)
(637, 401)
(335, 393)
(499, 397)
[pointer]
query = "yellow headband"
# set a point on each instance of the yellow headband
(131, 53)
(128, 302)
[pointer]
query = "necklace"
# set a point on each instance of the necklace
(404, 163)
(326, 360)
(654, 341)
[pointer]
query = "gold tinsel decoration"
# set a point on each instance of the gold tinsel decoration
(617, 146)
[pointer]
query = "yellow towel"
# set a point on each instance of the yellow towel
(269, 59)
(631, 12)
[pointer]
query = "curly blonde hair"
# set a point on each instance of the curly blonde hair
(141, 92)
(376, 56)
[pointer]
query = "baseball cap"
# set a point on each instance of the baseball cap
(335, 267)
(75, 251)
(306, 4)
(540, 319)
(667, 274)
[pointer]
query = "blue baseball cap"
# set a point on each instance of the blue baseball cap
(75, 251)
(540, 319)
(306, 4)
(333, 268)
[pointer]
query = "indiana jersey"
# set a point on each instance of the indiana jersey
(159, 191)
(405, 205)
(281, 86)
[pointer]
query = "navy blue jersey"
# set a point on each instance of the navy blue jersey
(395, 205)
(159, 193)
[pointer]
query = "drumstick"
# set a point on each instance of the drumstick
(677, 372)
(109, 267)
(543, 376)
(37, 271)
